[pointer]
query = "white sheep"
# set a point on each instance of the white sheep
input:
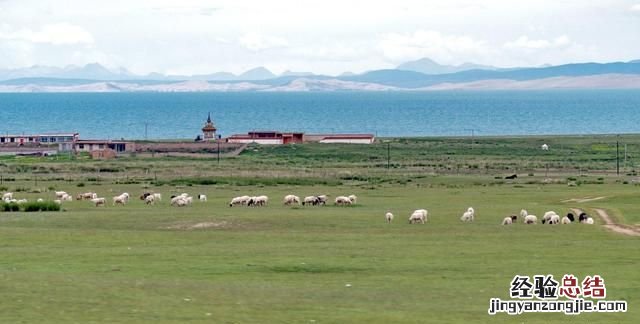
(389, 217)
(547, 216)
(468, 216)
(322, 199)
(523, 213)
(531, 219)
(121, 199)
(21, 201)
(58, 201)
(99, 201)
(202, 198)
(40, 200)
(66, 197)
(566, 220)
(260, 200)
(419, 215)
(545, 147)
(310, 200)
(507, 220)
(236, 201)
(555, 219)
(291, 199)
(157, 197)
(150, 200)
(7, 196)
(60, 194)
(353, 198)
(588, 221)
(342, 201)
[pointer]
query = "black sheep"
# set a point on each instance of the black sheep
(571, 217)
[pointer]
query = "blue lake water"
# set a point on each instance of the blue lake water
(181, 115)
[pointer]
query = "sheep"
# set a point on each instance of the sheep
(582, 217)
(40, 200)
(145, 195)
(67, 197)
(523, 213)
(547, 216)
(58, 201)
(389, 217)
(99, 201)
(507, 221)
(291, 199)
(589, 221)
(7, 196)
(566, 220)
(121, 199)
(545, 147)
(150, 200)
(310, 200)
(468, 216)
(236, 201)
(261, 200)
(21, 201)
(60, 194)
(531, 219)
(322, 199)
(202, 198)
(353, 199)
(179, 201)
(555, 219)
(419, 215)
(157, 197)
(342, 201)
(570, 217)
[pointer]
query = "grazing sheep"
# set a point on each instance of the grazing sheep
(531, 219)
(236, 201)
(99, 201)
(121, 199)
(150, 200)
(507, 221)
(310, 200)
(67, 197)
(547, 216)
(419, 215)
(322, 199)
(554, 220)
(261, 200)
(582, 217)
(469, 215)
(145, 195)
(180, 201)
(523, 213)
(60, 194)
(566, 220)
(342, 201)
(589, 221)
(157, 197)
(353, 199)
(202, 198)
(21, 201)
(58, 201)
(571, 217)
(389, 217)
(40, 200)
(291, 199)
(7, 196)
(545, 147)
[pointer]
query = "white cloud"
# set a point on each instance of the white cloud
(444, 48)
(526, 43)
(56, 34)
(258, 42)
(635, 7)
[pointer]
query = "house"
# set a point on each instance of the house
(100, 145)
(267, 137)
(64, 141)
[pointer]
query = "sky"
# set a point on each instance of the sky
(323, 37)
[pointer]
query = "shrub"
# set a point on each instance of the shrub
(9, 207)
(41, 206)
(80, 185)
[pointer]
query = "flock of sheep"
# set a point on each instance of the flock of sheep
(184, 199)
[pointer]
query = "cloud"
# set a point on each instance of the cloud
(635, 7)
(56, 34)
(258, 42)
(433, 44)
(525, 43)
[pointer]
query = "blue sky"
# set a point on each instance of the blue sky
(329, 36)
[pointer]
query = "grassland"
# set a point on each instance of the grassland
(214, 264)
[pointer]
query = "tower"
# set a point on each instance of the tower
(209, 130)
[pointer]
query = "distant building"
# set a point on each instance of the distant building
(64, 141)
(209, 130)
(267, 137)
(277, 138)
(101, 145)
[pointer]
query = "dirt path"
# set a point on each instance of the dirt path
(583, 200)
(609, 224)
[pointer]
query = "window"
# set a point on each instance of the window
(53, 139)
(101, 146)
(44, 140)
(81, 146)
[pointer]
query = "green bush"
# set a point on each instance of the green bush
(40, 206)
(80, 185)
(9, 207)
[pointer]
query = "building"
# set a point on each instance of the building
(267, 137)
(64, 141)
(348, 138)
(101, 145)
(209, 130)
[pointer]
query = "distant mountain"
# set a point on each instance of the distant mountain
(410, 79)
(635, 61)
(428, 66)
(259, 73)
(298, 74)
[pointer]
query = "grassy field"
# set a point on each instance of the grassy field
(214, 264)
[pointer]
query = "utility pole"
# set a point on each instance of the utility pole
(473, 133)
(218, 141)
(617, 157)
(146, 127)
(388, 155)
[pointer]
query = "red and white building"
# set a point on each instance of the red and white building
(279, 138)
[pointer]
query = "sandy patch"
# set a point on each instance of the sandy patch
(583, 200)
(197, 226)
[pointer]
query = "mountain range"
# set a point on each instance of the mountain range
(419, 75)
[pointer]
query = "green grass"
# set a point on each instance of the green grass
(280, 264)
